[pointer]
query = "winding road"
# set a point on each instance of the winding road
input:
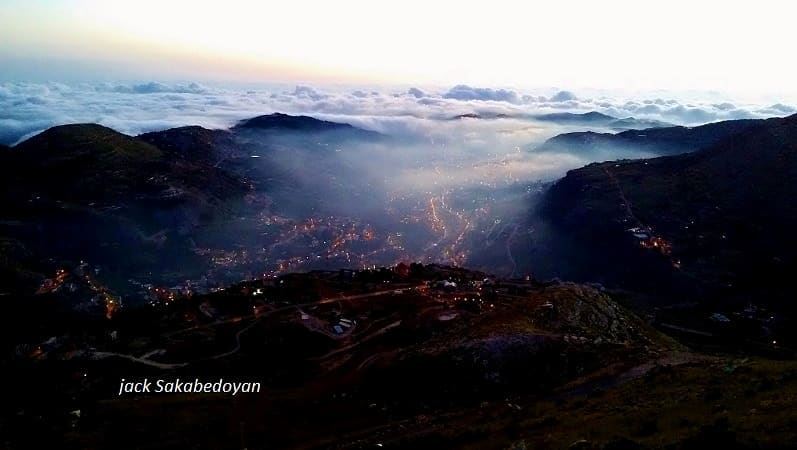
(167, 366)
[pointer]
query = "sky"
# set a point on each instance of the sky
(724, 46)
(399, 67)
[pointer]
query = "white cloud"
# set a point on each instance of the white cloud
(563, 96)
(26, 108)
(464, 92)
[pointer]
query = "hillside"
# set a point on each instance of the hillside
(85, 191)
(592, 117)
(191, 142)
(597, 119)
(89, 164)
(712, 227)
(304, 126)
(166, 206)
(653, 141)
(446, 341)
(279, 121)
(471, 361)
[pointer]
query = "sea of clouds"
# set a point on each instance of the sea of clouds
(134, 108)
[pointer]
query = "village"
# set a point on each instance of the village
(348, 308)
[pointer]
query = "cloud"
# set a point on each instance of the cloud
(133, 108)
(464, 92)
(415, 92)
(779, 107)
(307, 92)
(725, 106)
(155, 88)
(563, 96)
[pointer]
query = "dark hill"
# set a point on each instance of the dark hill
(150, 207)
(66, 142)
(88, 192)
(567, 117)
(481, 116)
(83, 163)
(304, 124)
(282, 121)
(218, 148)
(87, 163)
(597, 119)
(655, 141)
(724, 215)
(282, 130)
(189, 141)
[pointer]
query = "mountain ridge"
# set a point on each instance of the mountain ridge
(723, 214)
(657, 141)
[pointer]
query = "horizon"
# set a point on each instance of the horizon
(146, 66)
(138, 107)
(617, 47)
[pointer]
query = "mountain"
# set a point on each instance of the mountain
(85, 140)
(410, 356)
(654, 141)
(592, 117)
(274, 134)
(85, 191)
(596, 119)
(481, 116)
(714, 226)
(192, 142)
(279, 121)
(160, 206)
(588, 119)
(89, 164)
(632, 123)
(303, 125)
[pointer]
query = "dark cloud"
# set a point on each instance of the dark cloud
(533, 99)
(782, 108)
(725, 106)
(417, 93)
(464, 92)
(563, 96)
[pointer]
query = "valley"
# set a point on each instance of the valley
(406, 315)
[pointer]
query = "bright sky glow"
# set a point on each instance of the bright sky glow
(741, 47)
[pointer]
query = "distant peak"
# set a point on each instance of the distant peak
(87, 138)
(188, 130)
(592, 116)
(481, 116)
(281, 121)
(76, 132)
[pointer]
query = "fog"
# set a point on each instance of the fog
(450, 191)
(452, 177)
